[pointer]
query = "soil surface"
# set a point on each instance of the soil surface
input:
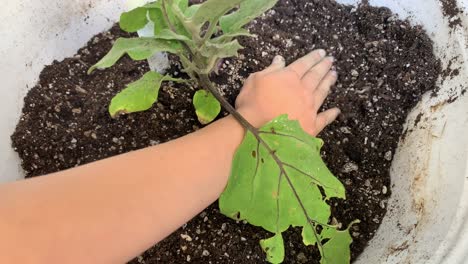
(385, 65)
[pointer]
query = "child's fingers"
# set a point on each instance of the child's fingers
(304, 64)
(323, 89)
(326, 118)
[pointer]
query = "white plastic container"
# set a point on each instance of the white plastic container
(427, 221)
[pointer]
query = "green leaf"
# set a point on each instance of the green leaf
(279, 186)
(229, 36)
(175, 10)
(336, 249)
(211, 10)
(153, 5)
(206, 106)
(156, 16)
(191, 10)
(134, 20)
(137, 49)
(223, 50)
(274, 248)
(248, 11)
(170, 35)
(182, 4)
(138, 96)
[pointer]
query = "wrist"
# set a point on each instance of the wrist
(255, 118)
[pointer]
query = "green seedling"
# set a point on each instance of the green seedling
(278, 179)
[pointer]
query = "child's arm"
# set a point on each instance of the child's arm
(112, 210)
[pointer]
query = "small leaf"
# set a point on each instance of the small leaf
(211, 10)
(206, 106)
(134, 20)
(223, 50)
(137, 49)
(138, 96)
(336, 249)
(279, 185)
(274, 248)
(248, 11)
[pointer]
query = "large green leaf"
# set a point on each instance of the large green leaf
(206, 106)
(138, 96)
(281, 185)
(137, 49)
(211, 10)
(248, 11)
(134, 20)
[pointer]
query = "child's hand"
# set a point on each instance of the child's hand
(297, 90)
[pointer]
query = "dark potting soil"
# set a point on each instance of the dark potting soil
(385, 65)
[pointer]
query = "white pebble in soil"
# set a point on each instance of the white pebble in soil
(186, 237)
(388, 155)
(384, 190)
(350, 167)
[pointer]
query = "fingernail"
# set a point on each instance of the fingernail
(322, 53)
(331, 58)
(334, 73)
(278, 59)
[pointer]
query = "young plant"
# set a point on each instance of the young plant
(278, 178)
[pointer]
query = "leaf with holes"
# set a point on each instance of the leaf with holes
(206, 106)
(139, 95)
(137, 49)
(278, 180)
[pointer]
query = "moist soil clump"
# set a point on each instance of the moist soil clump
(385, 66)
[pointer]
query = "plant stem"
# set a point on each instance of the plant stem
(173, 29)
(166, 16)
(210, 31)
(206, 83)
